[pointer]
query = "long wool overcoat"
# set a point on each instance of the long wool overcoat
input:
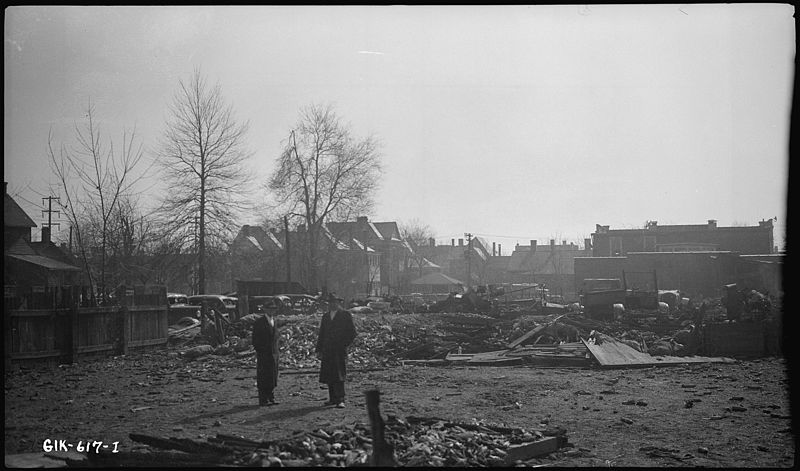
(334, 338)
(266, 342)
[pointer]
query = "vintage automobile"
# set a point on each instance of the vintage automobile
(302, 303)
(177, 298)
(225, 305)
(279, 304)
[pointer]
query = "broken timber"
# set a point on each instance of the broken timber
(613, 354)
(382, 452)
(532, 332)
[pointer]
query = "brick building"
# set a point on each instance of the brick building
(748, 240)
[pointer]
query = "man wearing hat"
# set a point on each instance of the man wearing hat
(266, 343)
(336, 333)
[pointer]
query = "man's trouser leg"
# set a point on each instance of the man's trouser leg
(337, 391)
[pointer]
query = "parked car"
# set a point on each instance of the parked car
(279, 304)
(177, 298)
(222, 304)
(302, 303)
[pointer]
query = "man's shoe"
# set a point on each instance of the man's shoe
(272, 402)
(340, 405)
(329, 403)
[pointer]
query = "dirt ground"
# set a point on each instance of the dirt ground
(738, 417)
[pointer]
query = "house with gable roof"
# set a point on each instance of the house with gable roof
(36, 275)
(347, 265)
(396, 256)
(257, 254)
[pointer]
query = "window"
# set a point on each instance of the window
(616, 245)
(649, 243)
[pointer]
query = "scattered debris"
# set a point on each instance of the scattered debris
(415, 441)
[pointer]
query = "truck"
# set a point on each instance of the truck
(598, 296)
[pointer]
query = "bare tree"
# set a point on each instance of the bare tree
(93, 178)
(131, 234)
(416, 232)
(203, 156)
(324, 172)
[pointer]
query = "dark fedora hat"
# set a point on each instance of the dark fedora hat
(333, 298)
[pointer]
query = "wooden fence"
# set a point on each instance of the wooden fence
(63, 335)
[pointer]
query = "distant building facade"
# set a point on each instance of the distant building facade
(748, 240)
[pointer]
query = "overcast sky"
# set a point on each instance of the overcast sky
(512, 123)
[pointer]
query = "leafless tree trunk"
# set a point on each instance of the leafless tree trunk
(203, 156)
(324, 172)
(93, 179)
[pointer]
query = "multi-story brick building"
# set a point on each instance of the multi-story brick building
(607, 242)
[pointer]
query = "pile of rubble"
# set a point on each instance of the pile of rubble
(391, 339)
(415, 441)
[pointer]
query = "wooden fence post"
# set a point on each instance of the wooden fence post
(73, 334)
(382, 452)
(126, 329)
(7, 326)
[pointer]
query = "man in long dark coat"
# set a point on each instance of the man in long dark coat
(266, 344)
(336, 333)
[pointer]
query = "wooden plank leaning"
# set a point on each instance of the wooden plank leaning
(532, 332)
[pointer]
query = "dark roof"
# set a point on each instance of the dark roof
(388, 230)
(13, 214)
(18, 246)
(258, 238)
(51, 250)
(45, 262)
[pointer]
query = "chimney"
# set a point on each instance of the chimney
(552, 243)
(432, 242)
(500, 250)
(712, 223)
(587, 244)
(361, 219)
(563, 242)
(460, 242)
(494, 249)
(452, 242)
(45, 233)
(533, 245)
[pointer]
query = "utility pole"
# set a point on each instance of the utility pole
(288, 252)
(50, 211)
(469, 259)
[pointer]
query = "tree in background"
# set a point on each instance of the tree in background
(203, 156)
(94, 178)
(415, 232)
(324, 172)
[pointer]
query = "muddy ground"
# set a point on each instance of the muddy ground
(739, 413)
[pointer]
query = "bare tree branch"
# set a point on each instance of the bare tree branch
(203, 157)
(324, 172)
